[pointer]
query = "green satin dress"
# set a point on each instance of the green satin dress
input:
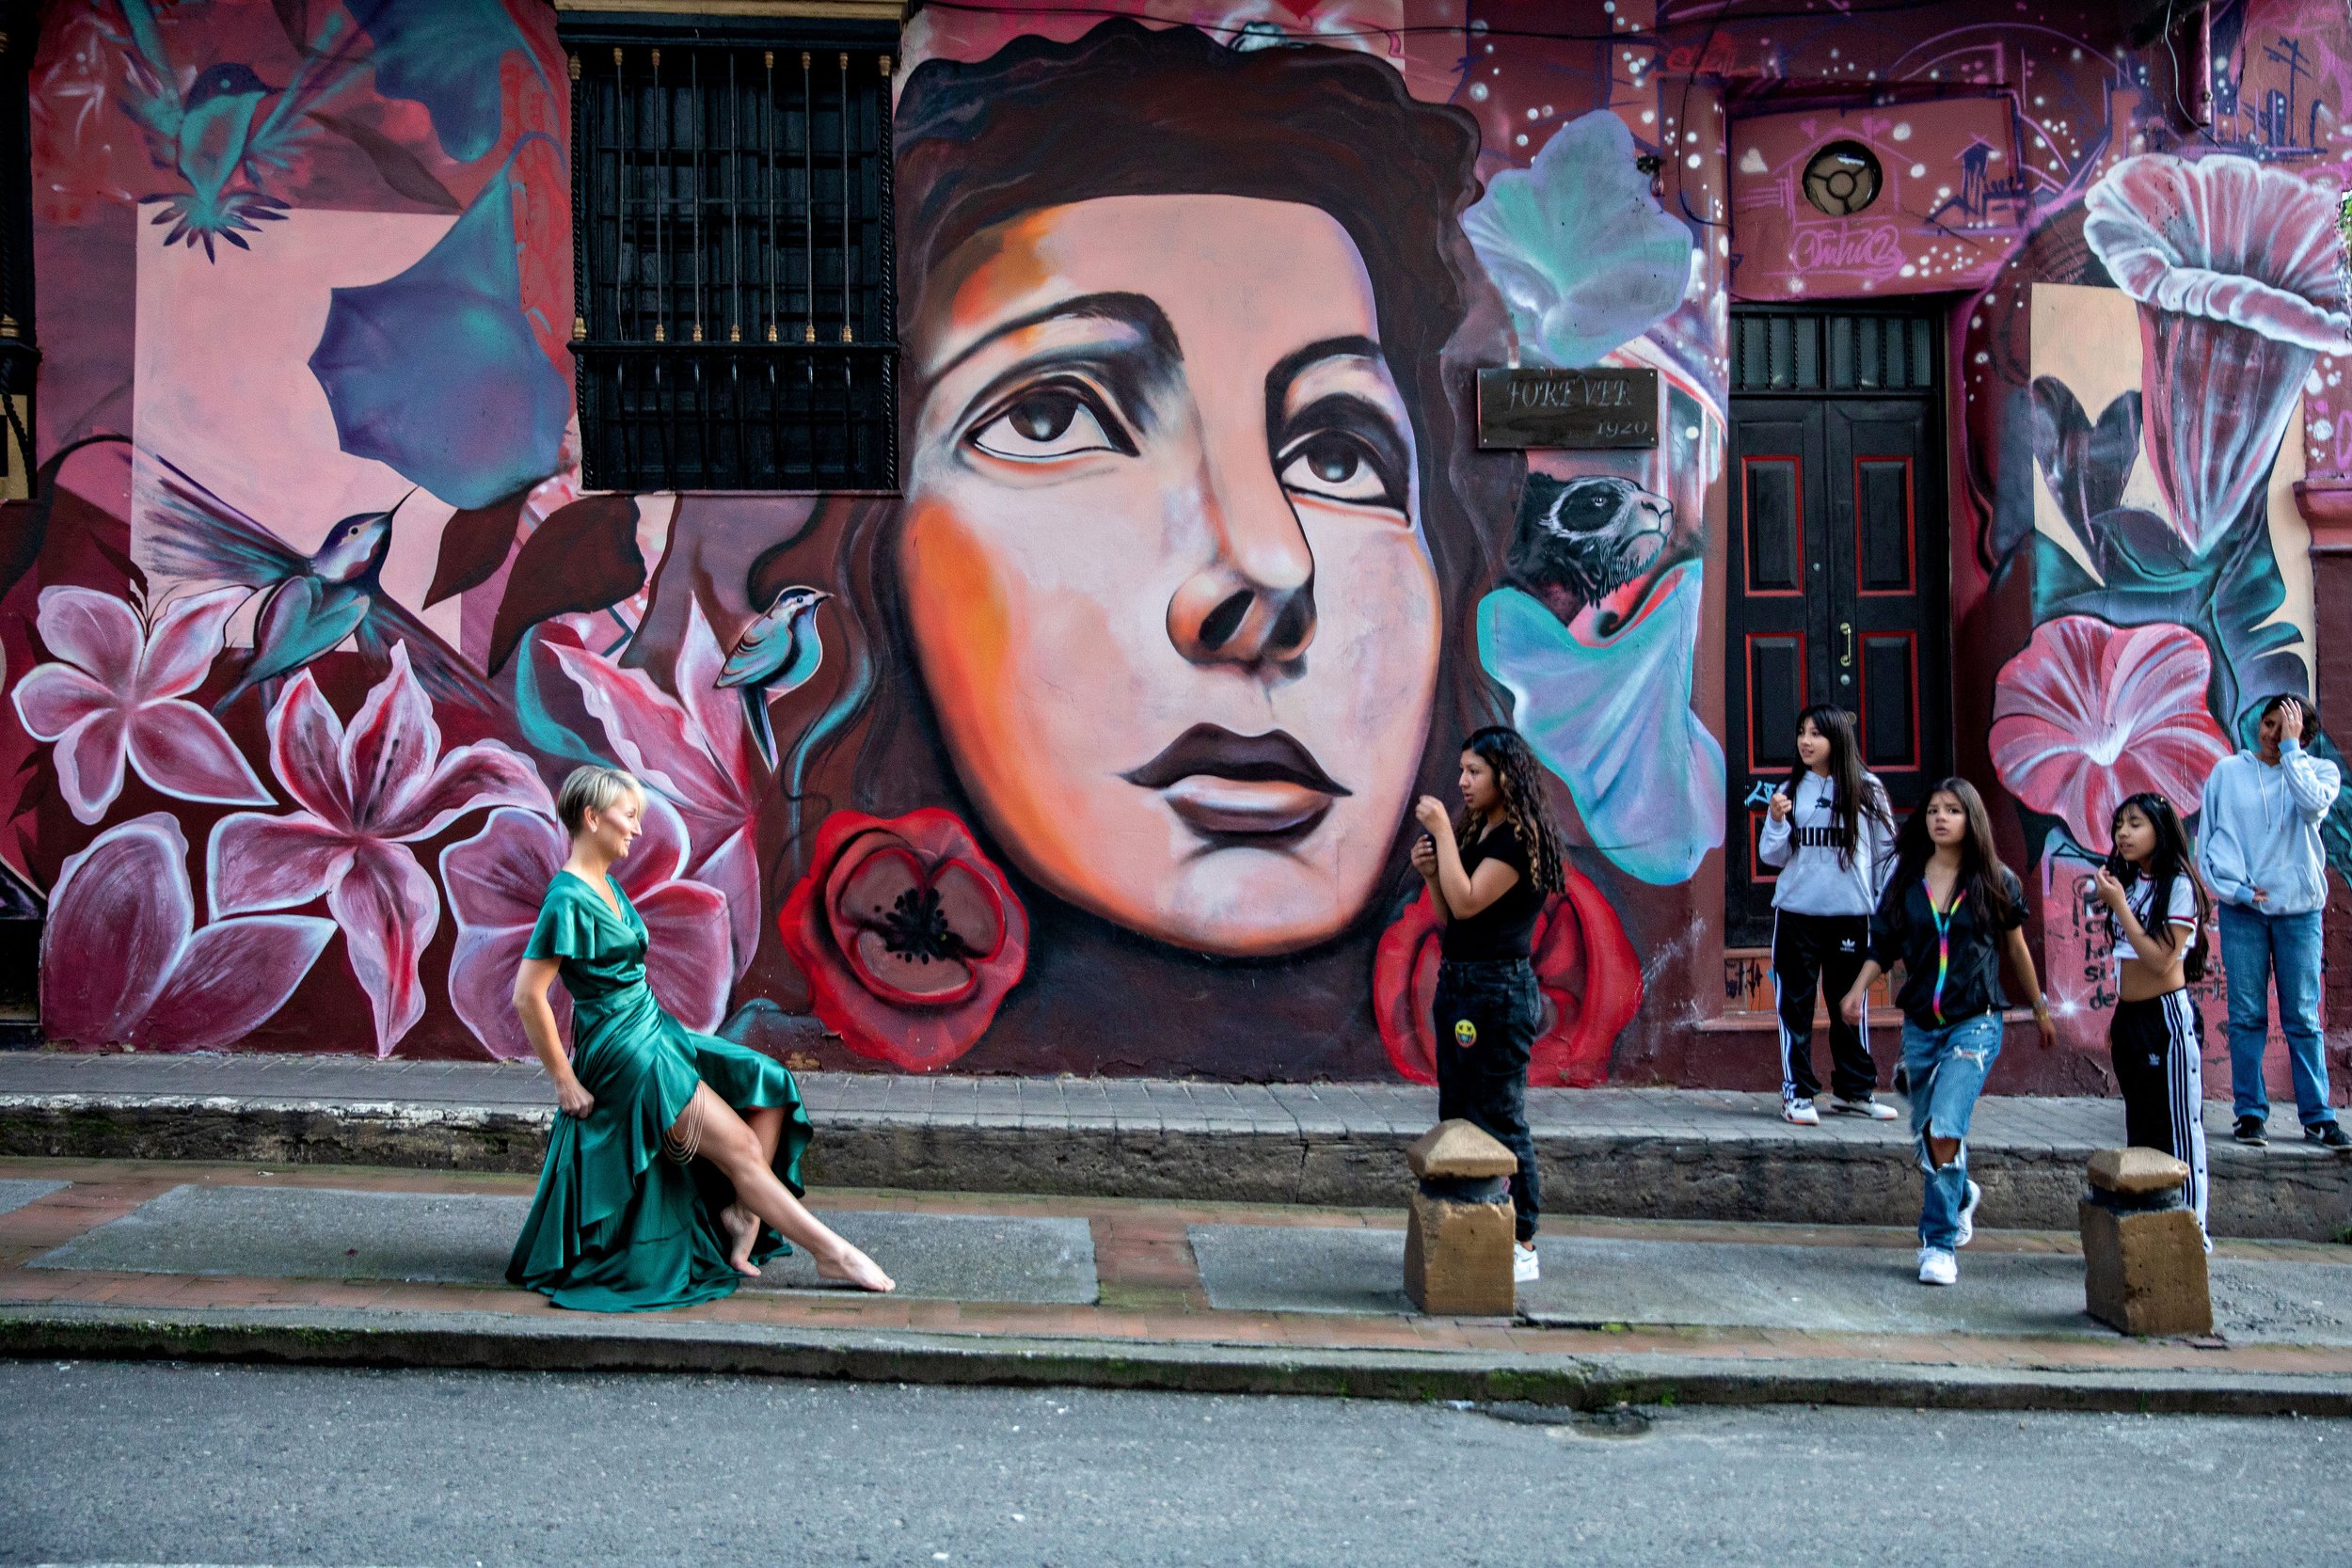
(619, 1226)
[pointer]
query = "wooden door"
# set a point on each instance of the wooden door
(1838, 566)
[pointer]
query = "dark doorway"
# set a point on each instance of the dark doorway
(1838, 562)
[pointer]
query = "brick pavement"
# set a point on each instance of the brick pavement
(1151, 1294)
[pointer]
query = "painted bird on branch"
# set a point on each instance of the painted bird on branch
(777, 653)
(313, 602)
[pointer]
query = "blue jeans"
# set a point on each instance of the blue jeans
(1946, 1067)
(2253, 948)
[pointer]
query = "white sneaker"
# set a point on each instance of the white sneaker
(1526, 1267)
(1800, 1112)
(1938, 1267)
(1968, 1216)
(1869, 1108)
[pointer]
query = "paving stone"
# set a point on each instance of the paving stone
(17, 1194)
(330, 1233)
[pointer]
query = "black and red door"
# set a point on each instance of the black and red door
(1838, 565)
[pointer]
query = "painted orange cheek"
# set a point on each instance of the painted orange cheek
(961, 619)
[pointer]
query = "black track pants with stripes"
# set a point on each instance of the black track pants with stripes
(2158, 1047)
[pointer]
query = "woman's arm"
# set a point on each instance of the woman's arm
(1467, 893)
(2021, 959)
(2144, 945)
(531, 1004)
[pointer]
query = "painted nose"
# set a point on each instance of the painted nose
(1253, 601)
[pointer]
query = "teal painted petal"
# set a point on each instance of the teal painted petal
(1579, 246)
(444, 55)
(1611, 716)
(437, 372)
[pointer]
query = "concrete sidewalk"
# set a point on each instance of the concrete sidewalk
(1633, 1153)
(403, 1268)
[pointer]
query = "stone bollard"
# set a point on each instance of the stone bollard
(1457, 1245)
(2143, 1256)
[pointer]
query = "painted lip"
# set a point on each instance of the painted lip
(1226, 783)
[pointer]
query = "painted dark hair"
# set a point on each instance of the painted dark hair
(2174, 857)
(1525, 805)
(1983, 880)
(1855, 793)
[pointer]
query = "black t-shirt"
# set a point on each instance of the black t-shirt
(1940, 990)
(1506, 927)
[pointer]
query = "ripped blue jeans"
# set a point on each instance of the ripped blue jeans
(1947, 1068)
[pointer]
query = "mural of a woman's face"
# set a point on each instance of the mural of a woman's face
(1162, 565)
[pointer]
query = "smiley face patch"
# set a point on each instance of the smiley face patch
(1465, 1032)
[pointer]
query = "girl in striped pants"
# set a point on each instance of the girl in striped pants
(2157, 910)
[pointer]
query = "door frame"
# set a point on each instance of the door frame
(1937, 743)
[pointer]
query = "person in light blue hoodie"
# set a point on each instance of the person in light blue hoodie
(2260, 855)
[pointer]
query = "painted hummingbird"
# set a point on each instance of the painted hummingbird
(313, 602)
(777, 653)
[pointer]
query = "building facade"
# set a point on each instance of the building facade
(1039, 492)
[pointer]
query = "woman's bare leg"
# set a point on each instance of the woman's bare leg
(730, 1144)
(741, 1225)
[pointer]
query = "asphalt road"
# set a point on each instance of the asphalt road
(234, 1465)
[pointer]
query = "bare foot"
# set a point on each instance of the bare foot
(742, 1229)
(852, 1267)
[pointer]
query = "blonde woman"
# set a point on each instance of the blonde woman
(675, 1165)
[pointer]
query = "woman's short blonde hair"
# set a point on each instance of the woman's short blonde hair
(592, 788)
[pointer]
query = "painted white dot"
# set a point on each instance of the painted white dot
(1690, 433)
(1478, 93)
(1983, 359)
(1918, 172)
(1943, 191)
(1531, 113)
(1649, 116)
(1521, 139)
(1910, 271)
(1546, 111)
(1693, 160)
(2323, 430)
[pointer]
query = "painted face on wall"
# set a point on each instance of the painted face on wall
(1163, 563)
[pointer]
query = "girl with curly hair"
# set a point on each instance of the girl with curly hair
(1489, 874)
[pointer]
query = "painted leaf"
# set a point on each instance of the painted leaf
(474, 546)
(402, 169)
(2086, 466)
(437, 372)
(583, 557)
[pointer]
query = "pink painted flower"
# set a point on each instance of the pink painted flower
(116, 691)
(366, 793)
(123, 964)
(497, 880)
(2089, 713)
(692, 748)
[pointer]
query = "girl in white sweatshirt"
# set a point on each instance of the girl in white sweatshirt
(1832, 835)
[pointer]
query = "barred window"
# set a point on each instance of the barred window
(731, 233)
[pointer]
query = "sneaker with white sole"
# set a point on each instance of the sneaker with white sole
(1968, 1216)
(1800, 1112)
(1938, 1267)
(1869, 1108)
(1526, 1267)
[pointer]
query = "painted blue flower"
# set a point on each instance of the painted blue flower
(1579, 246)
(444, 55)
(1610, 715)
(436, 372)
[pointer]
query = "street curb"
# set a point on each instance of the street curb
(1631, 1175)
(485, 1342)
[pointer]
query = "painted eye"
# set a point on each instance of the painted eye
(1046, 422)
(1339, 468)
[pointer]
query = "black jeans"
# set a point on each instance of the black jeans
(1487, 1015)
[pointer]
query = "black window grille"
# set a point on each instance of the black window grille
(733, 267)
(1804, 351)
